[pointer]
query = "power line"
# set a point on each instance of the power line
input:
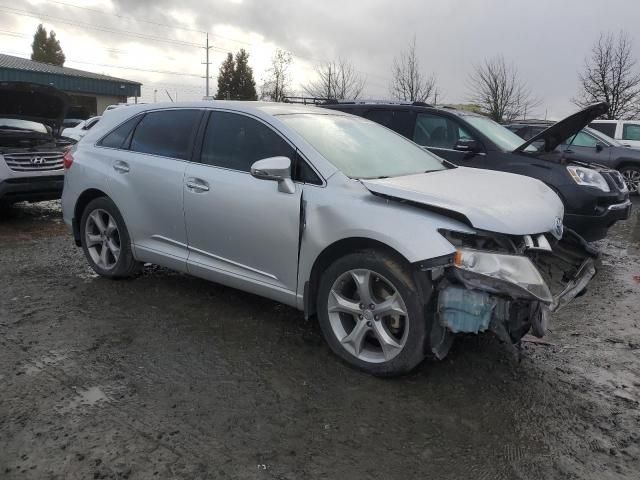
(159, 24)
(125, 17)
(26, 13)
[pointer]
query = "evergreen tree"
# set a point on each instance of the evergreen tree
(244, 86)
(46, 48)
(226, 78)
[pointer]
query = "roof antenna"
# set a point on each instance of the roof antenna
(168, 95)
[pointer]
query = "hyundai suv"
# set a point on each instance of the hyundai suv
(31, 150)
(595, 197)
(395, 251)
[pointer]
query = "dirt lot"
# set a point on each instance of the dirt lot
(168, 376)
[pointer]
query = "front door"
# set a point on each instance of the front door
(440, 133)
(586, 148)
(242, 231)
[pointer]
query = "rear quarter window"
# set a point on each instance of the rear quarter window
(608, 129)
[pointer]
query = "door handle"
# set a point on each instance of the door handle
(197, 185)
(121, 167)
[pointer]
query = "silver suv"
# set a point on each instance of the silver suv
(31, 150)
(393, 249)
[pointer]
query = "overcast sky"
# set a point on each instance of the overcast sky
(546, 39)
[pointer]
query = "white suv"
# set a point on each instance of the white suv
(31, 152)
(625, 131)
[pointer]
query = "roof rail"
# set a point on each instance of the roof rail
(312, 100)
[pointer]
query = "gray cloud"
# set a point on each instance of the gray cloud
(546, 39)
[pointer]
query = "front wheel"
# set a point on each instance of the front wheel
(631, 176)
(371, 313)
(105, 240)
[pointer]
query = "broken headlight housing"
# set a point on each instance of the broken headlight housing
(588, 177)
(513, 275)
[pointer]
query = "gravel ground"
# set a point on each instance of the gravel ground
(168, 376)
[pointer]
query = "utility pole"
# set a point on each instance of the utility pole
(207, 63)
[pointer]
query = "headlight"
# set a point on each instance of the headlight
(499, 273)
(588, 177)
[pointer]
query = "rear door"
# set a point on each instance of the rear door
(242, 231)
(147, 184)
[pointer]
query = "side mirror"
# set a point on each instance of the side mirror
(599, 147)
(275, 168)
(467, 145)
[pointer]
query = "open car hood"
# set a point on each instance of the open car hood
(559, 132)
(37, 103)
(487, 200)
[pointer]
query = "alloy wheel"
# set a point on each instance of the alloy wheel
(102, 239)
(368, 316)
(632, 178)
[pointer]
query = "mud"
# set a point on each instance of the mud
(168, 376)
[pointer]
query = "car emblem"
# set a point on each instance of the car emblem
(558, 228)
(37, 160)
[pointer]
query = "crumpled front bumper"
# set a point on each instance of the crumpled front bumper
(469, 305)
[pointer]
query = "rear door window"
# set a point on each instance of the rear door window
(438, 131)
(168, 133)
(631, 131)
(397, 120)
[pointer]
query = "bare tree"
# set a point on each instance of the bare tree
(337, 79)
(610, 76)
(409, 82)
(497, 89)
(277, 82)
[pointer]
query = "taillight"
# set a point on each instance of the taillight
(67, 159)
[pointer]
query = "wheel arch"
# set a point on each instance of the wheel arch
(330, 254)
(82, 202)
(627, 162)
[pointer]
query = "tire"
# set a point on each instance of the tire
(631, 176)
(355, 333)
(105, 240)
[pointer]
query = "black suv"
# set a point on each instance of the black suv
(594, 196)
(590, 145)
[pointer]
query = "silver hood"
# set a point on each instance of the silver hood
(487, 200)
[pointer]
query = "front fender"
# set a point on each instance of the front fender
(407, 229)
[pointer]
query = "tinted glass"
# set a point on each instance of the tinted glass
(361, 148)
(583, 139)
(606, 128)
(631, 132)
(118, 136)
(438, 131)
(237, 142)
(167, 133)
(504, 138)
(383, 117)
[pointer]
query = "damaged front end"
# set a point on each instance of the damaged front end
(507, 284)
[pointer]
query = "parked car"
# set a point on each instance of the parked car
(626, 132)
(31, 150)
(392, 249)
(81, 129)
(594, 147)
(594, 197)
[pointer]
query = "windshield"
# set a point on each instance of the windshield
(14, 123)
(504, 138)
(360, 148)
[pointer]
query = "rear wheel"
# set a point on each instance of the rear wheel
(371, 313)
(631, 176)
(105, 240)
